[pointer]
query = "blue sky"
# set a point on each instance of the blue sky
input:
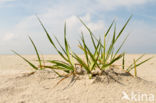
(17, 21)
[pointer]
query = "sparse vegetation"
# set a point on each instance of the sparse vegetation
(95, 62)
(135, 64)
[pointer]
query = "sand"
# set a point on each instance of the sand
(18, 85)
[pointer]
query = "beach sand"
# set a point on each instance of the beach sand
(18, 85)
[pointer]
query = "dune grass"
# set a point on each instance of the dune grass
(103, 56)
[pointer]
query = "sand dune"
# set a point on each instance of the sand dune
(17, 85)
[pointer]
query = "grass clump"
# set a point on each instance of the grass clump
(68, 65)
(95, 62)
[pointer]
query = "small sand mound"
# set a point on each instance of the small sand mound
(40, 87)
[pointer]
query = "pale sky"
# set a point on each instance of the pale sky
(17, 21)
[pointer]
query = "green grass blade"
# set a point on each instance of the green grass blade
(61, 64)
(38, 56)
(90, 32)
(60, 45)
(109, 51)
(104, 50)
(84, 49)
(140, 63)
(56, 67)
(136, 61)
(51, 41)
(104, 45)
(123, 62)
(32, 65)
(97, 56)
(112, 54)
(112, 61)
(115, 59)
(123, 27)
(113, 43)
(94, 56)
(114, 34)
(66, 43)
(67, 48)
(107, 55)
(135, 70)
(121, 46)
(114, 40)
(87, 49)
(111, 46)
(82, 63)
(57, 73)
(109, 28)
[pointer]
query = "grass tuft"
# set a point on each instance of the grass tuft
(102, 57)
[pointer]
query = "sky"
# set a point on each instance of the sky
(18, 21)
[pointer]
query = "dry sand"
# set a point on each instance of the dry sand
(17, 86)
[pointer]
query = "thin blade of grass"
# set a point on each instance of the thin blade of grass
(104, 50)
(68, 50)
(117, 51)
(32, 65)
(111, 62)
(110, 49)
(90, 32)
(123, 28)
(123, 62)
(38, 56)
(60, 45)
(109, 28)
(56, 67)
(57, 73)
(51, 41)
(94, 59)
(140, 63)
(135, 70)
(66, 43)
(61, 63)
(84, 49)
(136, 61)
(114, 41)
(82, 63)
